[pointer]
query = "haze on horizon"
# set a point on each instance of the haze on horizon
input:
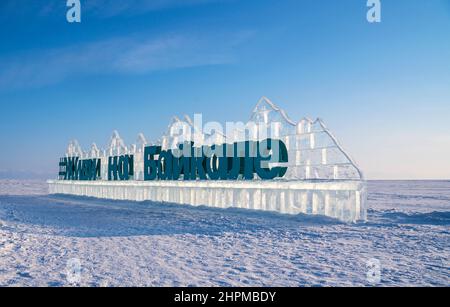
(382, 89)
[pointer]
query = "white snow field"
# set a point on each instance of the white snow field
(73, 241)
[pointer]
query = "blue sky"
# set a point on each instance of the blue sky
(384, 89)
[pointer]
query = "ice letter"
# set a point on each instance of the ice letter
(165, 165)
(113, 167)
(150, 165)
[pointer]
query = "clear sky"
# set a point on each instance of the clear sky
(383, 89)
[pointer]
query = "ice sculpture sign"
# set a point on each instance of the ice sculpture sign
(217, 162)
(268, 163)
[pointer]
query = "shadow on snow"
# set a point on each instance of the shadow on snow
(90, 217)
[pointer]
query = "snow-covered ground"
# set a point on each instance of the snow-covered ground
(62, 241)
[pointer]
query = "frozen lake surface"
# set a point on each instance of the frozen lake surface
(62, 241)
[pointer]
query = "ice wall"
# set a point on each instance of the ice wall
(343, 200)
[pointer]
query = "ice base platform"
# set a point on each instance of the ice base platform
(344, 200)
